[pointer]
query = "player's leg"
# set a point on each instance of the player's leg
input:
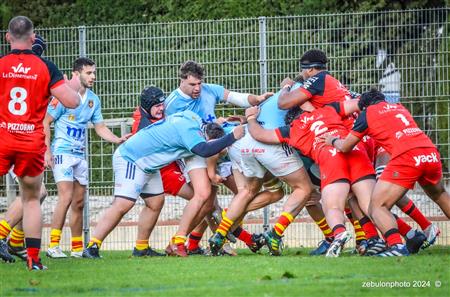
(76, 219)
(315, 211)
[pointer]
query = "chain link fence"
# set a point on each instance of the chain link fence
(406, 52)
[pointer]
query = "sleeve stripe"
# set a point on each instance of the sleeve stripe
(57, 84)
(306, 92)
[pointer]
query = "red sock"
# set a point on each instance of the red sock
(243, 235)
(33, 246)
(403, 228)
(393, 237)
(194, 240)
(369, 228)
(338, 229)
(411, 210)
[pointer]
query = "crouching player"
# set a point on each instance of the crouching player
(414, 159)
(137, 162)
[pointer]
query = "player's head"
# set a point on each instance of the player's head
(369, 98)
(152, 100)
(20, 30)
(292, 114)
(85, 69)
(213, 131)
(313, 61)
(39, 45)
(191, 77)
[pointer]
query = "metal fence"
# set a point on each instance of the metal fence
(407, 52)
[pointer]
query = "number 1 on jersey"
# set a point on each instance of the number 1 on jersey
(403, 119)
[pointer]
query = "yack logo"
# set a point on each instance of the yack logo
(20, 69)
(431, 158)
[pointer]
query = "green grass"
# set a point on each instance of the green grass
(293, 274)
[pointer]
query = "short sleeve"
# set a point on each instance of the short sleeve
(338, 107)
(360, 127)
(56, 77)
(97, 116)
(218, 91)
(55, 109)
(283, 134)
(314, 85)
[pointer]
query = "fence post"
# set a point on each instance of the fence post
(10, 189)
(86, 218)
(263, 87)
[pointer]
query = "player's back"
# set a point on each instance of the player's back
(25, 81)
(393, 127)
(164, 141)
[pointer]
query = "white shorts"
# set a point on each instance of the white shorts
(224, 169)
(257, 158)
(234, 153)
(12, 174)
(70, 168)
(130, 181)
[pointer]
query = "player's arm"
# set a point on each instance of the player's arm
(211, 163)
(256, 130)
(48, 158)
(106, 134)
(360, 128)
(210, 148)
(67, 91)
(289, 98)
(243, 99)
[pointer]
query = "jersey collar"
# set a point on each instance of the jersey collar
(19, 51)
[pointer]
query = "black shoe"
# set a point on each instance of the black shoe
(148, 252)
(258, 242)
(91, 252)
(4, 254)
(19, 251)
(35, 265)
(415, 243)
(375, 246)
(199, 252)
(216, 243)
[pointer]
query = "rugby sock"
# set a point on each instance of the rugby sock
(338, 229)
(17, 238)
(359, 232)
(411, 210)
(194, 240)
(224, 225)
(55, 237)
(33, 247)
(243, 235)
(282, 223)
(77, 243)
(94, 241)
(142, 245)
(403, 228)
(393, 237)
(5, 229)
(369, 228)
(179, 240)
(326, 230)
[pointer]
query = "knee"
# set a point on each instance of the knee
(156, 205)
(77, 205)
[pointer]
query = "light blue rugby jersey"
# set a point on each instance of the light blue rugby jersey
(163, 142)
(70, 124)
(270, 116)
(204, 106)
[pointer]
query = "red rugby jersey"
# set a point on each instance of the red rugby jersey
(25, 83)
(392, 127)
(305, 133)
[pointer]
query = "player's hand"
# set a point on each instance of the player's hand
(239, 132)
(74, 83)
(237, 118)
(252, 112)
(49, 162)
(263, 97)
(328, 139)
(221, 120)
(217, 179)
(287, 82)
(124, 138)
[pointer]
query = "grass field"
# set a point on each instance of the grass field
(293, 274)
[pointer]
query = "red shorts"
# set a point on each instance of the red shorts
(369, 146)
(25, 163)
(351, 166)
(172, 178)
(422, 165)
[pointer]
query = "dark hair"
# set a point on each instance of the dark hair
(369, 98)
(81, 62)
(20, 27)
(299, 78)
(214, 131)
(314, 58)
(191, 68)
(292, 114)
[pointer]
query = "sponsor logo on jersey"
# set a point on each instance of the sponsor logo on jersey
(20, 69)
(71, 117)
(18, 127)
(75, 132)
(431, 158)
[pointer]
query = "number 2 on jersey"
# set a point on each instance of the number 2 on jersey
(316, 128)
